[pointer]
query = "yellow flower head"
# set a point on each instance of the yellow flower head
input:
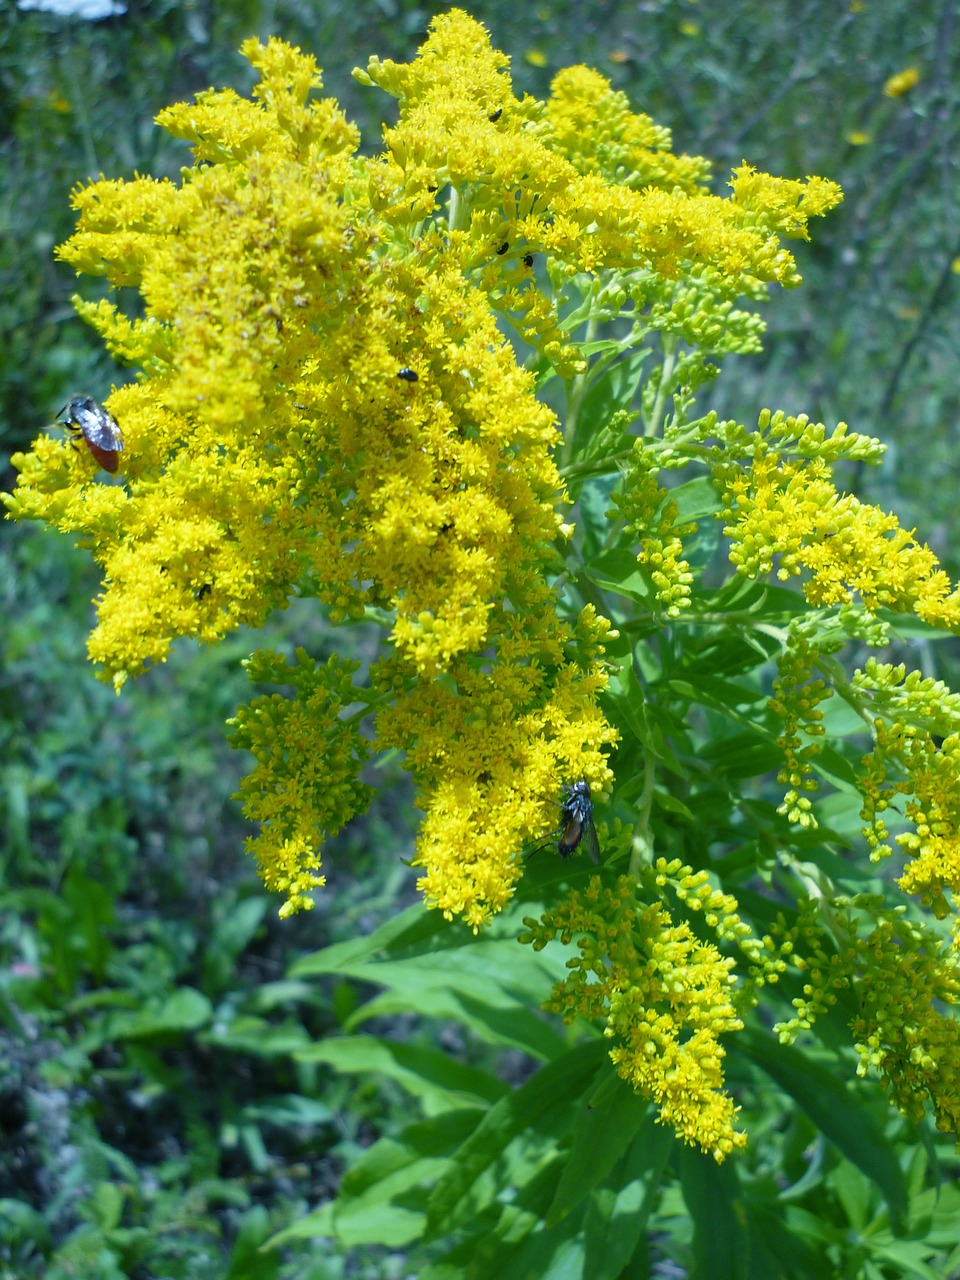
(665, 996)
(902, 82)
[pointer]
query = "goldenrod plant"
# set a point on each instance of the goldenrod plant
(454, 389)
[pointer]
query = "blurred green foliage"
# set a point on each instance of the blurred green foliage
(154, 1119)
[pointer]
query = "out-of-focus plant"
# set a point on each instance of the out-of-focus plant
(327, 408)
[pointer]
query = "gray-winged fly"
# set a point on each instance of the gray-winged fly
(576, 814)
(576, 818)
(104, 439)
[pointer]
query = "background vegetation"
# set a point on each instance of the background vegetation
(155, 1120)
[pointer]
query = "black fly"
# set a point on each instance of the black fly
(576, 814)
(576, 824)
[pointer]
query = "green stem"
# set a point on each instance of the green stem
(655, 419)
(578, 391)
(642, 852)
(611, 461)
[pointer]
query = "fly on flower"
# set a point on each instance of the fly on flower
(576, 814)
(85, 417)
(576, 819)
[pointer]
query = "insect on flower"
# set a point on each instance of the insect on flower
(576, 829)
(408, 375)
(576, 814)
(84, 417)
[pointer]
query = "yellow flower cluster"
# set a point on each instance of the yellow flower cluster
(326, 406)
(305, 784)
(907, 989)
(784, 205)
(488, 745)
(653, 515)
(593, 126)
(916, 754)
(579, 178)
(906, 983)
(791, 511)
(664, 996)
(795, 700)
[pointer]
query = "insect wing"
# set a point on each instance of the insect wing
(590, 841)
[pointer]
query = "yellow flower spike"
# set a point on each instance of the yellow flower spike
(665, 997)
(842, 547)
(592, 124)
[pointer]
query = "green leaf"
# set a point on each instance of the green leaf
(493, 986)
(773, 1241)
(248, 1258)
(290, 1111)
(20, 1223)
(601, 1133)
(433, 1077)
(552, 1092)
(106, 1205)
(383, 1198)
(618, 1212)
(593, 504)
(670, 804)
(835, 1110)
(615, 388)
(183, 1011)
(265, 1039)
(731, 700)
(618, 571)
(236, 924)
(696, 500)
(625, 700)
(712, 1195)
(408, 931)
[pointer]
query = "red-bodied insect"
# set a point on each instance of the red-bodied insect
(84, 417)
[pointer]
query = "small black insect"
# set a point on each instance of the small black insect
(496, 115)
(408, 375)
(503, 248)
(576, 814)
(84, 417)
(528, 260)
